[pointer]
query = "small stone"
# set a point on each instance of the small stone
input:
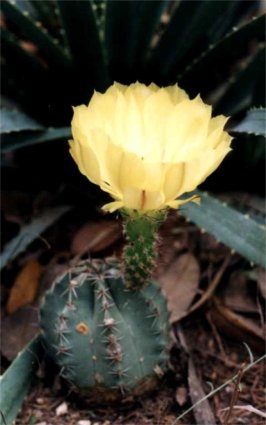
(38, 414)
(84, 422)
(41, 423)
(39, 400)
(181, 396)
(61, 409)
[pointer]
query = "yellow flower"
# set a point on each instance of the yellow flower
(146, 146)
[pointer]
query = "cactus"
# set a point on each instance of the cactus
(104, 336)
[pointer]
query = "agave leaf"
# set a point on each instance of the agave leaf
(47, 13)
(214, 58)
(80, 25)
(253, 149)
(121, 23)
(239, 90)
(13, 120)
(238, 231)
(187, 26)
(35, 33)
(12, 50)
(253, 123)
(129, 28)
(235, 13)
(11, 142)
(26, 6)
(151, 12)
(30, 232)
(18, 81)
(17, 380)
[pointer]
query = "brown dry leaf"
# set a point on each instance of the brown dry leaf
(237, 327)
(25, 286)
(180, 284)
(95, 237)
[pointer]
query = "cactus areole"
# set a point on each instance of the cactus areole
(105, 337)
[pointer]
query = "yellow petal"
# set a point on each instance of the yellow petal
(178, 202)
(112, 206)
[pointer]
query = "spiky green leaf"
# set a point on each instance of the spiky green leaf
(33, 31)
(217, 56)
(187, 27)
(84, 41)
(13, 120)
(236, 230)
(239, 90)
(10, 142)
(17, 380)
(47, 13)
(253, 123)
(129, 28)
(30, 232)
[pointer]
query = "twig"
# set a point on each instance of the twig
(216, 335)
(235, 394)
(44, 241)
(262, 321)
(248, 408)
(249, 366)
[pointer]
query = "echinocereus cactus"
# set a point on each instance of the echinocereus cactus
(102, 335)
(108, 329)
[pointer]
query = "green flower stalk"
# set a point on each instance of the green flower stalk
(141, 249)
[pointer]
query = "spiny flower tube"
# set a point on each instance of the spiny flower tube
(146, 146)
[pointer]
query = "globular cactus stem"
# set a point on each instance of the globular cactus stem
(102, 335)
(141, 249)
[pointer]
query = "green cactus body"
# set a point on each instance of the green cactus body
(103, 335)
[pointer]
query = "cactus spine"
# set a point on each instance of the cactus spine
(103, 335)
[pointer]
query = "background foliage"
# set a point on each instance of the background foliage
(55, 53)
